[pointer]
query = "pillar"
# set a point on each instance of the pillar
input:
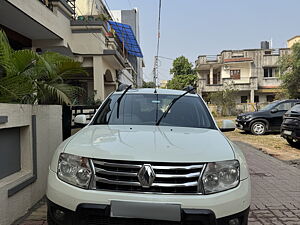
(211, 75)
(252, 94)
(98, 73)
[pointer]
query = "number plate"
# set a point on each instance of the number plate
(287, 132)
(141, 210)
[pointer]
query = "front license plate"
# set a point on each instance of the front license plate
(141, 210)
(287, 132)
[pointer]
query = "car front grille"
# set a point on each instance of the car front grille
(180, 178)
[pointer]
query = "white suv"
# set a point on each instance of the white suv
(149, 156)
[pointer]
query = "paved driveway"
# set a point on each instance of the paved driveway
(275, 191)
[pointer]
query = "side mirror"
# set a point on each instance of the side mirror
(275, 110)
(80, 120)
(227, 126)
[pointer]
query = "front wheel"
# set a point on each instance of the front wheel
(258, 128)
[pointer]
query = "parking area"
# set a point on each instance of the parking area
(275, 191)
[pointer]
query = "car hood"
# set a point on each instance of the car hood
(150, 143)
(256, 113)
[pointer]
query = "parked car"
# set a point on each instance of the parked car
(268, 119)
(290, 127)
(149, 156)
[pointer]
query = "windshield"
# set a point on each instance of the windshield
(146, 109)
(269, 107)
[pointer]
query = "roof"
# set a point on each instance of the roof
(297, 36)
(125, 34)
(158, 90)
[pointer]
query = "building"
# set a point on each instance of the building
(163, 84)
(293, 40)
(76, 28)
(253, 72)
(131, 17)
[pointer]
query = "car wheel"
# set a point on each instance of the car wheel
(258, 128)
(293, 143)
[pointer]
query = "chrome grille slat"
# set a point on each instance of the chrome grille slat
(117, 164)
(107, 172)
(179, 178)
(190, 175)
(189, 184)
(177, 167)
(118, 182)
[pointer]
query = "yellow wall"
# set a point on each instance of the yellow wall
(292, 41)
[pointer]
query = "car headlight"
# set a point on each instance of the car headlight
(221, 176)
(248, 117)
(74, 170)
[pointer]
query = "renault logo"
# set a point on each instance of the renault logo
(146, 176)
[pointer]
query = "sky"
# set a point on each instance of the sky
(197, 27)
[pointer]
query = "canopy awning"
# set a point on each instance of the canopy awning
(127, 37)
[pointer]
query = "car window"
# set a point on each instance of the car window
(284, 106)
(269, 106)
(295, 108)
(146, 109)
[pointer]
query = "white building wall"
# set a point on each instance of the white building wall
(49, 136)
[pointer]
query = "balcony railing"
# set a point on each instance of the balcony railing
(47, 3)
(69, 4)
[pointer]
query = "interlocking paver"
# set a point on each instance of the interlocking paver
(275, 189)
(275, 192)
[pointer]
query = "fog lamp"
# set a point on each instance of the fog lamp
(234, 221)
(59, 214)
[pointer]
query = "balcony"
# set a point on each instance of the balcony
(208, 59)
(89, 24)
(251, 85)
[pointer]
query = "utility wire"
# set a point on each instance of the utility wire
(159, 21)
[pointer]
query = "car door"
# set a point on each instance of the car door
(277, 114)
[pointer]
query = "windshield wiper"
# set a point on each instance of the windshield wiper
(171, 104)
(119, 101)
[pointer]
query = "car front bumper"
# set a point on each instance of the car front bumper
(77, 202)
(243, 124)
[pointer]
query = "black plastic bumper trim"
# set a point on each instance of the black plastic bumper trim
(205, 216)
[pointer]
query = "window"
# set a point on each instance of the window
(284, 106)
(270, 98)
(244, 99)
(235, 74)
(146, 109)
(271, 72)
(256, 98)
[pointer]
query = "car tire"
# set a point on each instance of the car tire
(294, 144)
(258, 128)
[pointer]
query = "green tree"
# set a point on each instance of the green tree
(182, 66)
(289, 66)
(224, 99)
(181, 81)
(27, 77)
(149, 84)
(183, 74)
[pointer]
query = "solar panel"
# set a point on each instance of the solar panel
(127, 37)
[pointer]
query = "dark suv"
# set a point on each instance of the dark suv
(290, 127)
(267, 119)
